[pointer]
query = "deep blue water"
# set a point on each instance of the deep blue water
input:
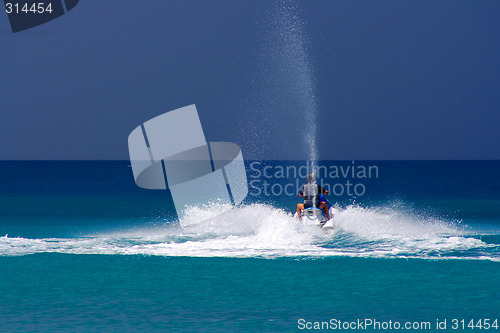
(83, 249)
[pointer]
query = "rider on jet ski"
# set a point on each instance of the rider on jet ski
(313, 197)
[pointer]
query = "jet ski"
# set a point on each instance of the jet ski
(316, 217)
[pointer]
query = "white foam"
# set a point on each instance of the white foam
(381, 222)
(264, 231)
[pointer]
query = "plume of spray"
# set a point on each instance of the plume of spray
(293, 46)
(283, 108)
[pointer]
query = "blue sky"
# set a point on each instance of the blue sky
(391, 79)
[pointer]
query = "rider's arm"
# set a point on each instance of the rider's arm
(322, 190)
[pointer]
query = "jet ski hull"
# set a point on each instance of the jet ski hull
(316, 217)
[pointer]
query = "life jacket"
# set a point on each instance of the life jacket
(322, 198)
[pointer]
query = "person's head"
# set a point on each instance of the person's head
(311, 178)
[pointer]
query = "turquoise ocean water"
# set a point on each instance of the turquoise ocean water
(82, 249)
